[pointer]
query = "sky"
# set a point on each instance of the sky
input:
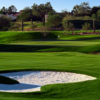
(58, 5)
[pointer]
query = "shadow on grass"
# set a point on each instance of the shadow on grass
(46, 48)
(35, 48)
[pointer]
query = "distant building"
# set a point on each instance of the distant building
(12, 16)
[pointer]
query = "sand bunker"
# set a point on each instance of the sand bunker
(33, 80)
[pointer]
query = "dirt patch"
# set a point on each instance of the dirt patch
(83, 33)
(88, 33)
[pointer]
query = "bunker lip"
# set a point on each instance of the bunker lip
(33, 80)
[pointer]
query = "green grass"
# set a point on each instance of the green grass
(27, 24)
(23, 51)
(12, 36)
(60, 61)
(56, 43)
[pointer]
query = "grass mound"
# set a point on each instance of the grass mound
(6, 80)
(8, 37)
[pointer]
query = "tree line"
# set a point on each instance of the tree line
(82, 9)
(37, 13)
(79, 10)
(10, 10)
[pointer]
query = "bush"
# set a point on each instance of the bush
(45, 31)
(15, 27)
(69, 17)
(33, 26)
(68, 26)
(86, 26)
(4, 23)
(87, 18)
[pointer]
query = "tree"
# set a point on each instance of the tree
(4, 10)
(54, 20)
(22, 25)
(64, 12)
(12, 9)
(41, 10)
(93, 17)
(1, 12)
(26, 15)
(83, 8)
(98, 14)
(51, 13)
(76, 9)
(4, 23)
(94, 10)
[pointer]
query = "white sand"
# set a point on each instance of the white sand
(33, 80)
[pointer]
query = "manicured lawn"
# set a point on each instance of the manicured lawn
(65, 43)
(26, 55)
(60, 61)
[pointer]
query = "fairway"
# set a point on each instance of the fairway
(65, 61)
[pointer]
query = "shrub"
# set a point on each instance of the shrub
(16, 26)
(4, 23)
(87, 18)
(33, 26)
(68, 26)
(86, 26)
(69, 17)
(45, 31)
